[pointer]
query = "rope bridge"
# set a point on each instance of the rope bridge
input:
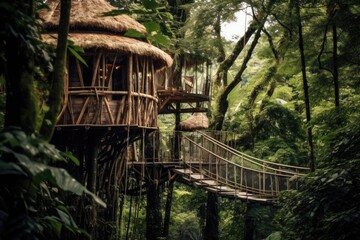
(217, 167)
(200, 159)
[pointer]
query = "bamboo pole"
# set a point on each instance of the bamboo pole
(82, 111)
(111, 72)
(110, 114)
(81, 79)
(129, 79)
(96, 66)
(138, 89)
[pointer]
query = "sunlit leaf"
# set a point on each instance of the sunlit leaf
(77, 56)
(69, 155)
(152, 26)
(134, 34)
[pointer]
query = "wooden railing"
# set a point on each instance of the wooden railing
(214, 165)
(99, 106)
(228, 138)
(235, 170)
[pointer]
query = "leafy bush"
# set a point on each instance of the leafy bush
(326, 206)
(30, 204)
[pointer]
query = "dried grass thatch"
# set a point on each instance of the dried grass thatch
(88, 15)
(196, 122)
(116, 44)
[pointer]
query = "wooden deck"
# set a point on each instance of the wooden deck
(169, 98)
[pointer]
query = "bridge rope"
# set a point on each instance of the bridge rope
(217, 167)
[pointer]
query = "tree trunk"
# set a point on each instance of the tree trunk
(335, 67)
(223, 104)
(57, 88)
(92, 167)
(219, 43)
(306, 91)
(225, 65)
(153, 206)
(211, 230)
(21, 107)
(153, 212)
(220, 46)
(168, 208)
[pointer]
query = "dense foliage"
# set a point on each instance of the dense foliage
(31, 190)
(326, 206)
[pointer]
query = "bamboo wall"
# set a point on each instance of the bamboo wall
(114, 89)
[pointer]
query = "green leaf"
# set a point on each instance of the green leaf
(55, 224)
(117, 12)
(10, 169)
(134, 34)
(150, 4)
(161, 39)
(58, 176)
(152, 27)
(70, 156)
(77, 56)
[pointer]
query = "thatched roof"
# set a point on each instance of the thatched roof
(89, 29)
(115, 43)
(196, 122)
(88, 15)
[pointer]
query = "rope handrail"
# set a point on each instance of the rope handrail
(231, 178)
(251, 157)
(290, 174)
(231, 150)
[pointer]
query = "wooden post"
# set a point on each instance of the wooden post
(96, 67)
(139, 105)
(129, 79)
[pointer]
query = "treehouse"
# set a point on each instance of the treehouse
(117, 86)
(187, 90)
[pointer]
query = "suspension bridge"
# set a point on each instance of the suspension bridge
(204, 160)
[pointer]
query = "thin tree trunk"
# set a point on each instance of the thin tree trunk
(57, 88)
(219, 45)
(153, 213)
(211, 230)
(129, 218)
(311, 157)
(92, 168)
(223, 104)
(224, 66)
(335, 66)
(168, 208)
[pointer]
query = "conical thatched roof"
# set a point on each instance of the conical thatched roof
(89, 29)
(196, 122)
(88, 15)
(115, 43)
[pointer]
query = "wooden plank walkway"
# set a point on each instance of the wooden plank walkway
(213, 186)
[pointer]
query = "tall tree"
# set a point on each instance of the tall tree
(223, 103)
(220, 76)
(311, 157)
(19, 36)
(57, 83)
(334, 70)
